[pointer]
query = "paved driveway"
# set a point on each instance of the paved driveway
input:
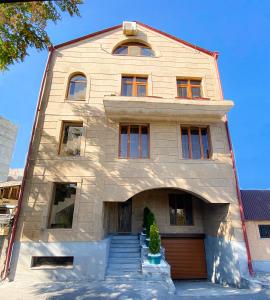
(124, 290)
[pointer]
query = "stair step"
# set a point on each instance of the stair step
(125, 250)
(124, 255)
(124, 260)
(121, 241)
(125, 237)
(128, 267)
(131, 246)
(121, 273)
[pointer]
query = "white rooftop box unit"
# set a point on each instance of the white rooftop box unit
(129, 28)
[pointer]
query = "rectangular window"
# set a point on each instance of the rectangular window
(134, 141)
(62, 207)
(71, 139)
(264, 231)
(180, 209)
(195, 142)
(134, 86)
(52, 261)
(189, 88)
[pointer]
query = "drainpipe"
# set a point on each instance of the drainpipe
(17, 214)
(250, 267)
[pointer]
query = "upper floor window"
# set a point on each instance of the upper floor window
(134, 86)
(180, 209)
(71, 139)
(195, 142)
(189, 88)
(134, 141)
(264, 231)
(62, 207)
(77, 87)
(133, 49)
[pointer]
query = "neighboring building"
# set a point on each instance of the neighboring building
(8, 133)
(256, 204)
(130, 119)
(15, 174)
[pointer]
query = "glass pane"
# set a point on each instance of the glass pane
(188, 209)
(78, 78)
(144, 142)
(172, 211)
(77, 88)
(196, 92)
(134, 141)
(141, 79)
(123, 50)
(182, 92)
(195, 141)
(182, 81)
(195, 82)
(134, 50)
(264, 231)
(61, 215)
(126, 89)
(185, 147)
(205, 142)
(124, 141)
(146, 51)
(141, 90)
(71, 140)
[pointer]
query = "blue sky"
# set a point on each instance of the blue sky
(239, 30)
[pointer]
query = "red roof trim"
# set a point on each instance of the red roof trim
(212, 53)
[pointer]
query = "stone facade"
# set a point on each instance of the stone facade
(8, 133)
(100, 175)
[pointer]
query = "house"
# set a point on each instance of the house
(130, 117)
(256, 204)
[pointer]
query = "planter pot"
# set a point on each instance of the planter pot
(154, 259)
(147, 240)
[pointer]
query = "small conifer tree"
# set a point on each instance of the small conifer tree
(150, 220)
(154, 244)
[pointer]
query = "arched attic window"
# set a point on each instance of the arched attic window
(133, 49)
(77, 87)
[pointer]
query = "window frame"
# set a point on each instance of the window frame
(49, 227)
(128, 141)
(67, 97)
(135, 84)
(200, 127)
(261, 237)
(133, 43)
(189, 87)
(62, 137)
(192, 209)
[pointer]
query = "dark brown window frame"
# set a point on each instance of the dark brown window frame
(135, 84)
(138, 44)
(67, 96)
(128, 142)
(189, 87)
(62, 134)
(189, 127)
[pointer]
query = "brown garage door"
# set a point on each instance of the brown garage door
(186, 257)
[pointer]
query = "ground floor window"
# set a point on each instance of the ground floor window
(52, 261)
(62, 207)
(264, 231)
(180, 206)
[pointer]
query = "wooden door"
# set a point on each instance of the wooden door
(186, 257)
(124, 216)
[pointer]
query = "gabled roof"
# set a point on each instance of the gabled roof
(256, 204)
(212, 53)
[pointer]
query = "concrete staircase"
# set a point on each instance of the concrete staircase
(124, 257)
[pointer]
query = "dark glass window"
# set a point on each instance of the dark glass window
(264, 231)
(188, 88)
(180, 206)
(52, 261)
(134, 141)
(62, 208)
(71, 139)
(77, 87)
(195, 142)
(134, 49)
(134, 86)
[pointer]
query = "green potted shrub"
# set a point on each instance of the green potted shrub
(150, 220)
(154, 255)
(146, 211)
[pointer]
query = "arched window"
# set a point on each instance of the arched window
(77, 87)
(133, 49)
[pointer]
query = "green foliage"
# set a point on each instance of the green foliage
(23, 25)
(146, 211)
(154, 243)
(150, 220)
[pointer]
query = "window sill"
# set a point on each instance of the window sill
(74, 100)
(52, 268)
(185, 98)
(61, 229)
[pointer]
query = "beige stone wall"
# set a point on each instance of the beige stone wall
(100, 175)
(259, 247)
